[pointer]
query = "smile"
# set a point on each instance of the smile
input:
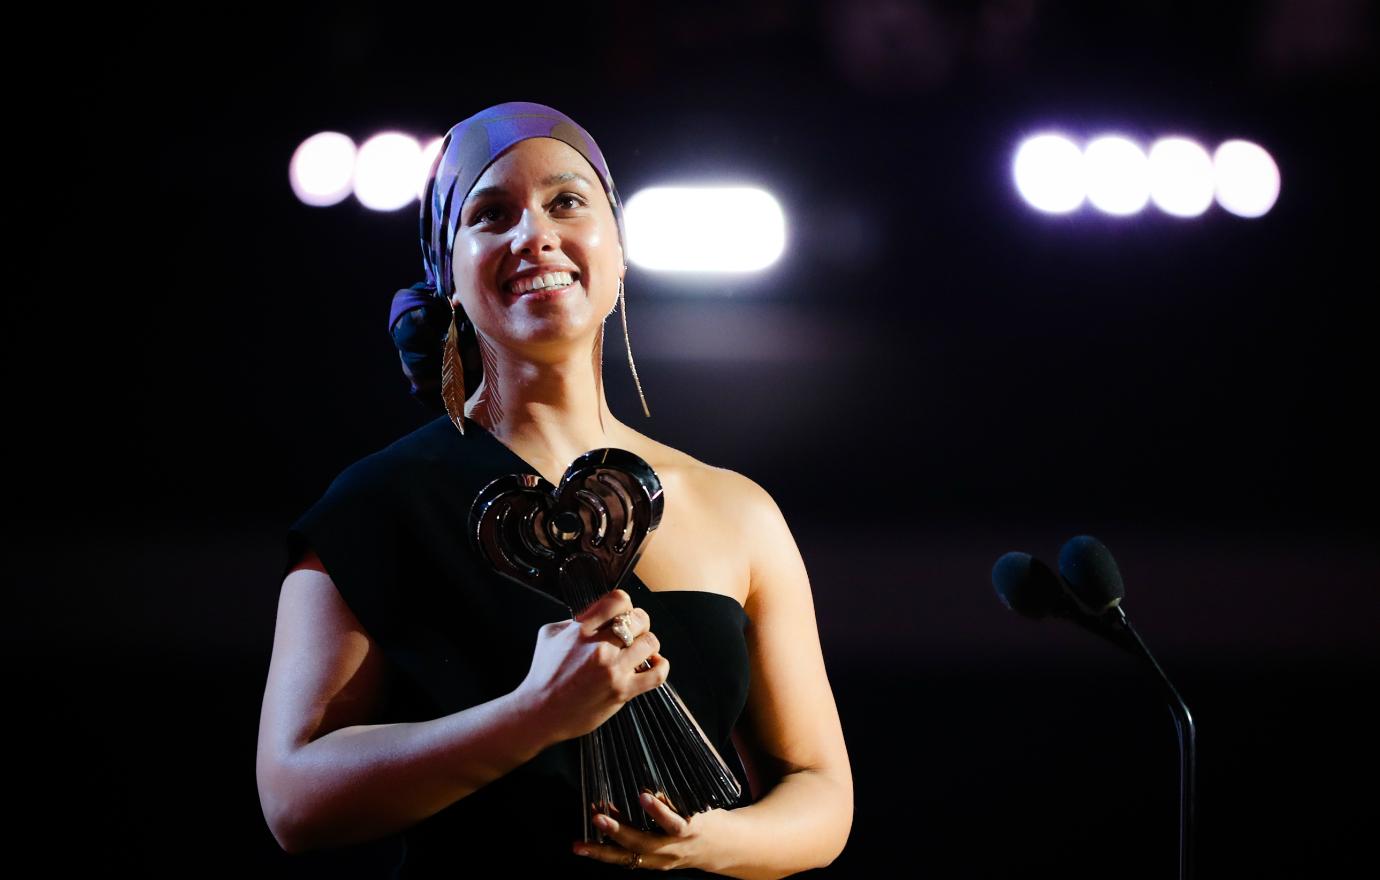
(551, 281)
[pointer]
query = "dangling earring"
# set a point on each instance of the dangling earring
(453, 376)
(623, 310)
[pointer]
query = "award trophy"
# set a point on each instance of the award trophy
(577, 541)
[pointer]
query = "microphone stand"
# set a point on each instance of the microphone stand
(1126, 636)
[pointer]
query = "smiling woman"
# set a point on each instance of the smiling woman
(416, 696)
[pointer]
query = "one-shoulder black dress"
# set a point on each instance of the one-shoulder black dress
(391, 531)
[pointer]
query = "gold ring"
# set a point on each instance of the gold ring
(635, 861)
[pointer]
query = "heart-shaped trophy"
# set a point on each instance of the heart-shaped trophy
(576, 542)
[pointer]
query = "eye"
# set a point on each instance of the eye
(564, 201)
(478, 216)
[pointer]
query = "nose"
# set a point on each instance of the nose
(534, 232)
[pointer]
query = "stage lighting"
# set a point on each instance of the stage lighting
(320, 168)
(1048, 171)
(424, 163)
(704, 229)
(385, 176)
(1181, 179)
(1118, 175)
(1247, 178)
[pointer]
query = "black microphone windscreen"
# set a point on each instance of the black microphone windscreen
(1027, 586)
(1091, 574)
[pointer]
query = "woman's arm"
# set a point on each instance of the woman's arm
(328, 779)
(790, 730)
(790, 726)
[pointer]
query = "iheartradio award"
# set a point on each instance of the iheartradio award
(576, 542)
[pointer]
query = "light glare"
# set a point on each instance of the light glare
(386, 171)
(424, 164)
(1247, 178)
(320, 169)
(1048, 170)
(1118, 175)
(1181, 179)
(704, 229)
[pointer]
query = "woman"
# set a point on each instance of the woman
(404, 696)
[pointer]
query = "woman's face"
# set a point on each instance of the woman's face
(538, 208)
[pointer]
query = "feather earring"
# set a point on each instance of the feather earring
(453, 376)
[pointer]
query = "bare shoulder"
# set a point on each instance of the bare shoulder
(710, 506)
(729, 493)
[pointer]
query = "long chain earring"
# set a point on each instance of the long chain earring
(623, 310)
(453, 376)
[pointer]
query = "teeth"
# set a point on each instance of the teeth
(540, 282)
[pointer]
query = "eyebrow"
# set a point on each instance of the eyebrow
(548, 181)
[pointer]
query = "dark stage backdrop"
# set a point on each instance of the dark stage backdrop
(932, 375)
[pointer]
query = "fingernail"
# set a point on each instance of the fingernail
(581, 851)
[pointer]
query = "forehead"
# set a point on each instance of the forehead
(535, 163)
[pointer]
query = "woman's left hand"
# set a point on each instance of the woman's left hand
(682, 846)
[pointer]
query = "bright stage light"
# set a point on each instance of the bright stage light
(424, 163)
(320, 169)
(1049, 173)
(1118, 175)
(385, 176)
(704, 229)
(1181, 179)
(1247, 178)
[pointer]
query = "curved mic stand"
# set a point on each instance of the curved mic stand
(1119, 630)
(576, 542)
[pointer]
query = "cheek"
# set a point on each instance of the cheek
(470, 262)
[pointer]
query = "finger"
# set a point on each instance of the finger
(664, 816)
(627, 836)
(614, 855)
(639, 624)
(642, 648)
(651, 679)
(604, 610)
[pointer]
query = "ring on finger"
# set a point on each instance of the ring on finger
(622, 627)
(635, 861)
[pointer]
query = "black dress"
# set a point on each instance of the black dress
(391, 531)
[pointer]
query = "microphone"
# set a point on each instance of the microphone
(1031, 589)
(1091, 575)
(1088, 591)
(1028, 587)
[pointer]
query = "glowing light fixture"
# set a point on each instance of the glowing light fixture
(385, 175)
(320, 169)
(1247, 178)
(1118, 175)
(1048, 171)
(704, 229)
(1181, 178)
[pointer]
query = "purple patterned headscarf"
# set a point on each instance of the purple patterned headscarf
(467, 150)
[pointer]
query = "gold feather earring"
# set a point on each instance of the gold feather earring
(623, 310)
(453, 376)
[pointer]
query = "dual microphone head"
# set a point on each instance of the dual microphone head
(1087, 590)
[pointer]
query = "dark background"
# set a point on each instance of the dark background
(931, 376)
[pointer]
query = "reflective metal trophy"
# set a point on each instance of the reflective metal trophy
(577, 542)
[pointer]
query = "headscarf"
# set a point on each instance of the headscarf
(420, 315)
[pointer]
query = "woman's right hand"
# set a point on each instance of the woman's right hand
(582, 674)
